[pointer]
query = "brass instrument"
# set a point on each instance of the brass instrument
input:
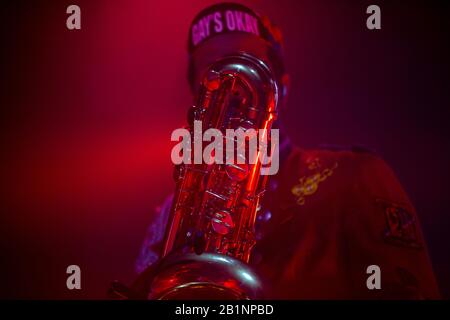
(210, 234)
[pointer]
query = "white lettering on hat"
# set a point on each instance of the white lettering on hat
(195, 36)
(229, 16)
(206, 21)
(235, 20)
(218, 26)
(240, 21)
(251, 24)
(201, 29)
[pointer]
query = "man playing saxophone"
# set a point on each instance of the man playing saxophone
(331, 217)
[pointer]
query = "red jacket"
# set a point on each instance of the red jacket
(329, 216)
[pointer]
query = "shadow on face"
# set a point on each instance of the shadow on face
(222, 45)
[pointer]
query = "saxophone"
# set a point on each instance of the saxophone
(210, 232)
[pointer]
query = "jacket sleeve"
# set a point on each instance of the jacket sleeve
(383, 231)
(152, 244)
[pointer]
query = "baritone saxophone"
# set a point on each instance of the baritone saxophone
(210, 232)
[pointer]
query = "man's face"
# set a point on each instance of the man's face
(223, 45)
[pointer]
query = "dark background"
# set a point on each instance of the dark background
(87, 116)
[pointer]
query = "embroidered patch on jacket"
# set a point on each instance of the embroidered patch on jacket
(309, 184)
(401, 226)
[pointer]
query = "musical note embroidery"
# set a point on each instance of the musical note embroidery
(308, 185)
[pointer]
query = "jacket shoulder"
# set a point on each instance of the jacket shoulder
(348, 166)
(354, 157)
(357, 171)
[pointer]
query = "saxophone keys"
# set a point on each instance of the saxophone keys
(222, 223)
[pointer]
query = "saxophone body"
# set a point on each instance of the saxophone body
(210, 231)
